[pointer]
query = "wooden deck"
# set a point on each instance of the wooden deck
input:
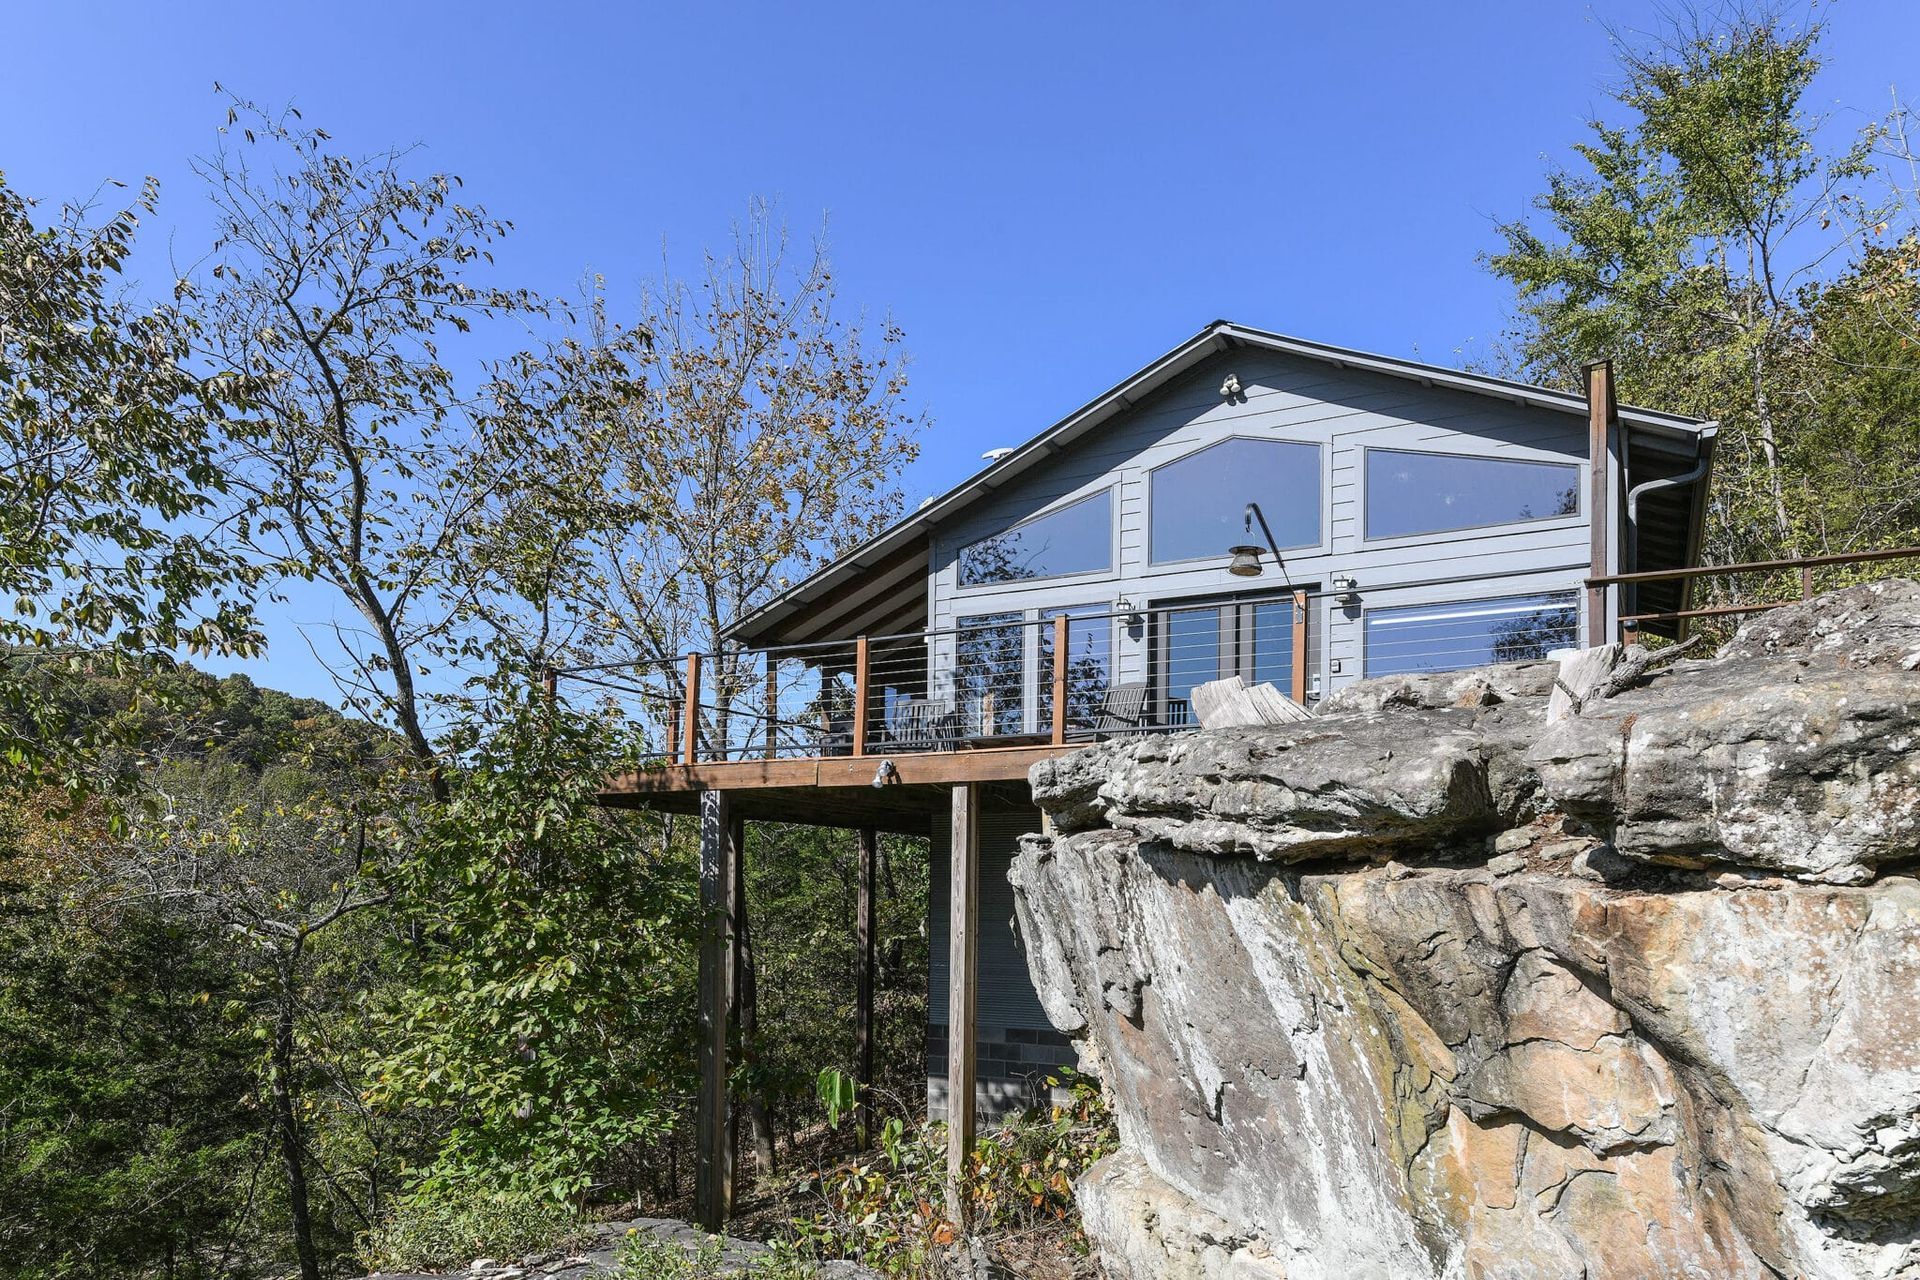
(833, 791)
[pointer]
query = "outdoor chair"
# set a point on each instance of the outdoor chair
(1122, 711)
(920, 724)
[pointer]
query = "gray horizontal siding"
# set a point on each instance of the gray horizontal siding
(1007, 999)
(1285, 398)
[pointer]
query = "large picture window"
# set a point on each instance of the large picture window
(1411, 493)
(1089, 663)
(990, 674)
(1075, 539)
(1448, 637)
(1196, 503)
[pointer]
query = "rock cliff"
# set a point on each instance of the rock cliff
(1425, 987)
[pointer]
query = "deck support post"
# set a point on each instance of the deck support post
(963, 934)
(866, 912)
(1602, 412)
(713, 1156)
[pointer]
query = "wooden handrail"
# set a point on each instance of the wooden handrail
(1757, 566)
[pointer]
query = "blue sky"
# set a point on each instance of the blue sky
(1044, 196)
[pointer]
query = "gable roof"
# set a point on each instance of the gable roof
(893, 547)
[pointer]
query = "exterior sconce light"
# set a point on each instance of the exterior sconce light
(1231, 387)
(1246, 556)
(884, 774)
(1346, 589)
(1128, 611)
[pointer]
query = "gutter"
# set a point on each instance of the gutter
(1702, 463)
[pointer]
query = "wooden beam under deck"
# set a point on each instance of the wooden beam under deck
(911, 769)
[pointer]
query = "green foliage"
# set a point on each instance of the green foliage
(129, 1135)
(1738, 266)
(549, 1016)
(450, 1227)
(889, 1210)
(837, 1091)
(644, 1256)
(108, 455)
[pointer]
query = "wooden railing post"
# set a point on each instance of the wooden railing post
(773, 706)
(1299, 690)
(1600, 421)
(860, 674)
(1806, 582)
(691, 743)
(1059, 679)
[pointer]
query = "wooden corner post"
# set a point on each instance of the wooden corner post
(862, 677)
(1060, 657)
(691, 744)
(1299, 690)
(963, 929)
(1602, 413)
(713, 1156)
(866, 912)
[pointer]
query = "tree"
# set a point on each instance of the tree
(767, 436)
(550, 1016)
(335, 282)
(107, 470)
(1720, 252)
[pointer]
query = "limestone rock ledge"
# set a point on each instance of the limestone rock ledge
(1425, 988)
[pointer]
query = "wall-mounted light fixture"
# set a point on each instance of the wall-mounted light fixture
(1246, 556)
(884, 774)
(1346, 590)
(1128, 611)
(1231, 387)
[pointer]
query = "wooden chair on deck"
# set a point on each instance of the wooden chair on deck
(1122, 711)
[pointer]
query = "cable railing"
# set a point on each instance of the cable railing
(1073, 674)
(1806, 569)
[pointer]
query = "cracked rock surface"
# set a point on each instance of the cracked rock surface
(1424, 987)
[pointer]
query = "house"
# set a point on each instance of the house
(1247, 504)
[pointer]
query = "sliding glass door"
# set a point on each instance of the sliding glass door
(1258, 640)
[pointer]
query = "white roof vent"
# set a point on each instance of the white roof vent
(994, 455)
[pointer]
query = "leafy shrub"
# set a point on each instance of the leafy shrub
(643, 1256)
(448, 1226)
(888, 1210)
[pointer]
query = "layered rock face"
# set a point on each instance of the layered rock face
(1426, 987)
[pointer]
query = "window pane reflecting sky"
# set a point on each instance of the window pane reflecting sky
(1075, 539)
(1409, 493)
(1198, 503)
(1449, 637)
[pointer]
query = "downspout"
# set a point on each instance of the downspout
(1701, 460)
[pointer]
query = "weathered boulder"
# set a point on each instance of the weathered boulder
(1427, 989)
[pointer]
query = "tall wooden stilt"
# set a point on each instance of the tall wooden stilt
(713, 1171)
(963, 990)
(866, 911)
(747, 1013)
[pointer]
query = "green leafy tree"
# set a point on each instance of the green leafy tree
(550, 1019)
(107, 467)
(1732, 263)
(335, 284)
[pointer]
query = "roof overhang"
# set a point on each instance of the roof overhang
(1664, 431)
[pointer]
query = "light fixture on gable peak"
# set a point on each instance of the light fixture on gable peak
(1231, 387)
